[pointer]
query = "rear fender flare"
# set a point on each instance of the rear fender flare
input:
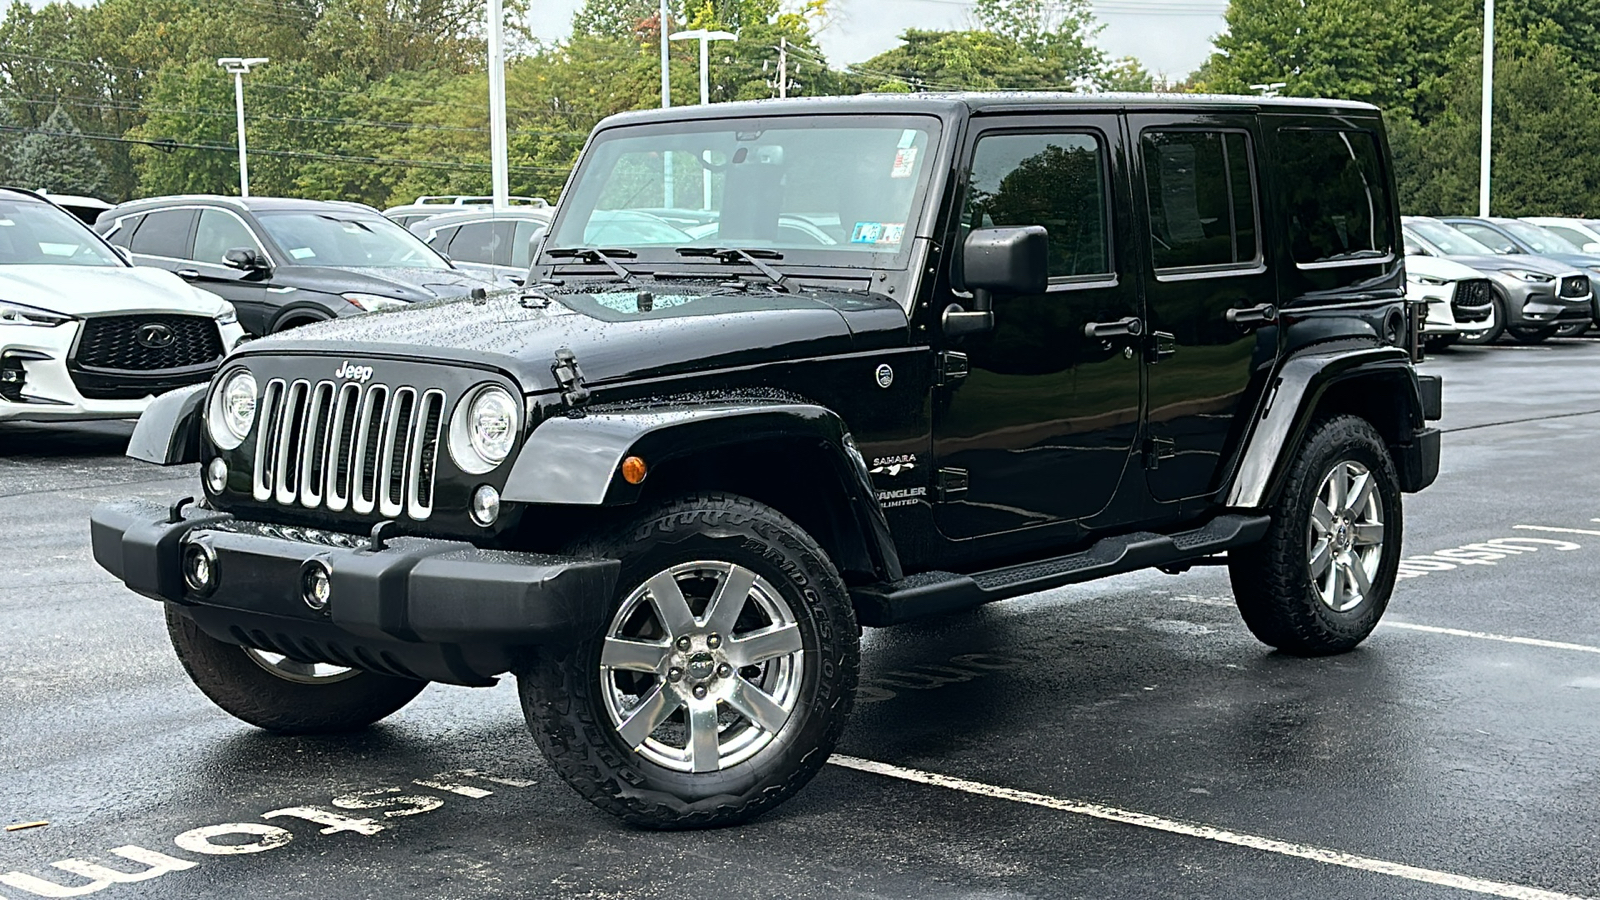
(1292, 402)
(577, 461)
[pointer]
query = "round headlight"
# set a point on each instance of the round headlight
(233, 410)
(484, 429)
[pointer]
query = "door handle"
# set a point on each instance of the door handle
(188, 274)
(1252, 316)
(1129, 327)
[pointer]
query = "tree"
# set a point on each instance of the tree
(58, 158)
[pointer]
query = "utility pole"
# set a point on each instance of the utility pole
(783, 68)
(238, 67)
(666, 79)
(1487, 113)
(499, 168)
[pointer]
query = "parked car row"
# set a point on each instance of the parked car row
(1528, 280)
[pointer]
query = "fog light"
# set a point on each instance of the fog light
(485, 505)
(316, 585)
(217, 475)
(199, 568)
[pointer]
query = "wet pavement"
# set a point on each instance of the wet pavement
(1126, 738)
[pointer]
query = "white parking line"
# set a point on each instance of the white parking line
(1557, 530)
(1207, 832)
(1486, 636)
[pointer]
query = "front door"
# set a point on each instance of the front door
(1209, 293)
(1038, 432)
(218, 231)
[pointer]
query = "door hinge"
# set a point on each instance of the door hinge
(949, 368)
(1162, 345)
(952, 484)
(1157, 449)
(570, 379)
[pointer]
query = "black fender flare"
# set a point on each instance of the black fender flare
(168, 433)
(577, 460)
(1293, 397)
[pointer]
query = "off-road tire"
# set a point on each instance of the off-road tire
(1271, 579)
(247, 691)
(1497, 322)
(561, 691)
(1539, 335)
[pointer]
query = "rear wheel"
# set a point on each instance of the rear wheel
(281, 694)
(1321, 579)
(723, 680)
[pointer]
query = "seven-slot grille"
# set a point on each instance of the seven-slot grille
(148, 343)
(1471, 300)
(364, 448)
(1575, 286)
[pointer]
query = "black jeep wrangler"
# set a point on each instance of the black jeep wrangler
(782, 369)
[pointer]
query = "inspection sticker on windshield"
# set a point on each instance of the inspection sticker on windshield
(878, 233)
(302, 252)
(905, 162)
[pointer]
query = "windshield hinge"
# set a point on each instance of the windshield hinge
(950, 367)
(570, 379)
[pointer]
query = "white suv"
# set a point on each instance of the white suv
(84, 334)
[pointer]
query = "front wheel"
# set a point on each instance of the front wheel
(1321, 579)
(281, 694)
(723, 680)
(1496, 325)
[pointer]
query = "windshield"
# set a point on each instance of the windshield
(1449, 241)
(836, 190)
(347, 240)
(38, 234)
(1542, 240)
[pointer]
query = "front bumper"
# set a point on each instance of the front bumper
(37, 386)
(440, 610)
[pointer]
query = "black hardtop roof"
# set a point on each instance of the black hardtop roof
(980, 102)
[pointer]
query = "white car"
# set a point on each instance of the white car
(1460, 299)
(86, 335)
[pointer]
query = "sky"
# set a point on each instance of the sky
(1170, 37)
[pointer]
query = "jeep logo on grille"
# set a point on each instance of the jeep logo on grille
(361, 374)
(154, 336)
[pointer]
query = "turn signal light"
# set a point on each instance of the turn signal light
(633, 470)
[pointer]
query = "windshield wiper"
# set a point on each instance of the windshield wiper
(607, 256)
(734, 254)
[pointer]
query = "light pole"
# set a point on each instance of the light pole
(1487, 113)
(1270, 89)
(705, 38)
(666, 80)
(238, 67)
(499, 169)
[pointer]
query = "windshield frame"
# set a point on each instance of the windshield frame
(117, 259)
(285, 258)
(921, 212)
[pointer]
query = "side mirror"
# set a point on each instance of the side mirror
(1013, 260)
(125, 253)
(246, 259)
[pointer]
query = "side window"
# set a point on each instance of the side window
(164, 233)
(503, 233)
(1495, 241)
(474, 243)
(218, 233)
(1575, 237)
(441, 239)
(1338, 198)
(1202, 199)
(1054, 180)
(527, 230)
(123, 233)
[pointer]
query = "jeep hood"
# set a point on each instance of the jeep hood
(99, 290)
(656, 331)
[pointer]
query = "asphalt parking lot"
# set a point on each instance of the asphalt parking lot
(1126, 738)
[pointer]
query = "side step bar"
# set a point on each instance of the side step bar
(932, 593)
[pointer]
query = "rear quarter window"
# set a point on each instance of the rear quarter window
(1337, 195)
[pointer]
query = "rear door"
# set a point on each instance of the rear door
(1208, 287)
(1038, 433)
(163, 239)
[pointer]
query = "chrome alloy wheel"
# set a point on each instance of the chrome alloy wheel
(1345, 538)
(299, 672)
(702, 666)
